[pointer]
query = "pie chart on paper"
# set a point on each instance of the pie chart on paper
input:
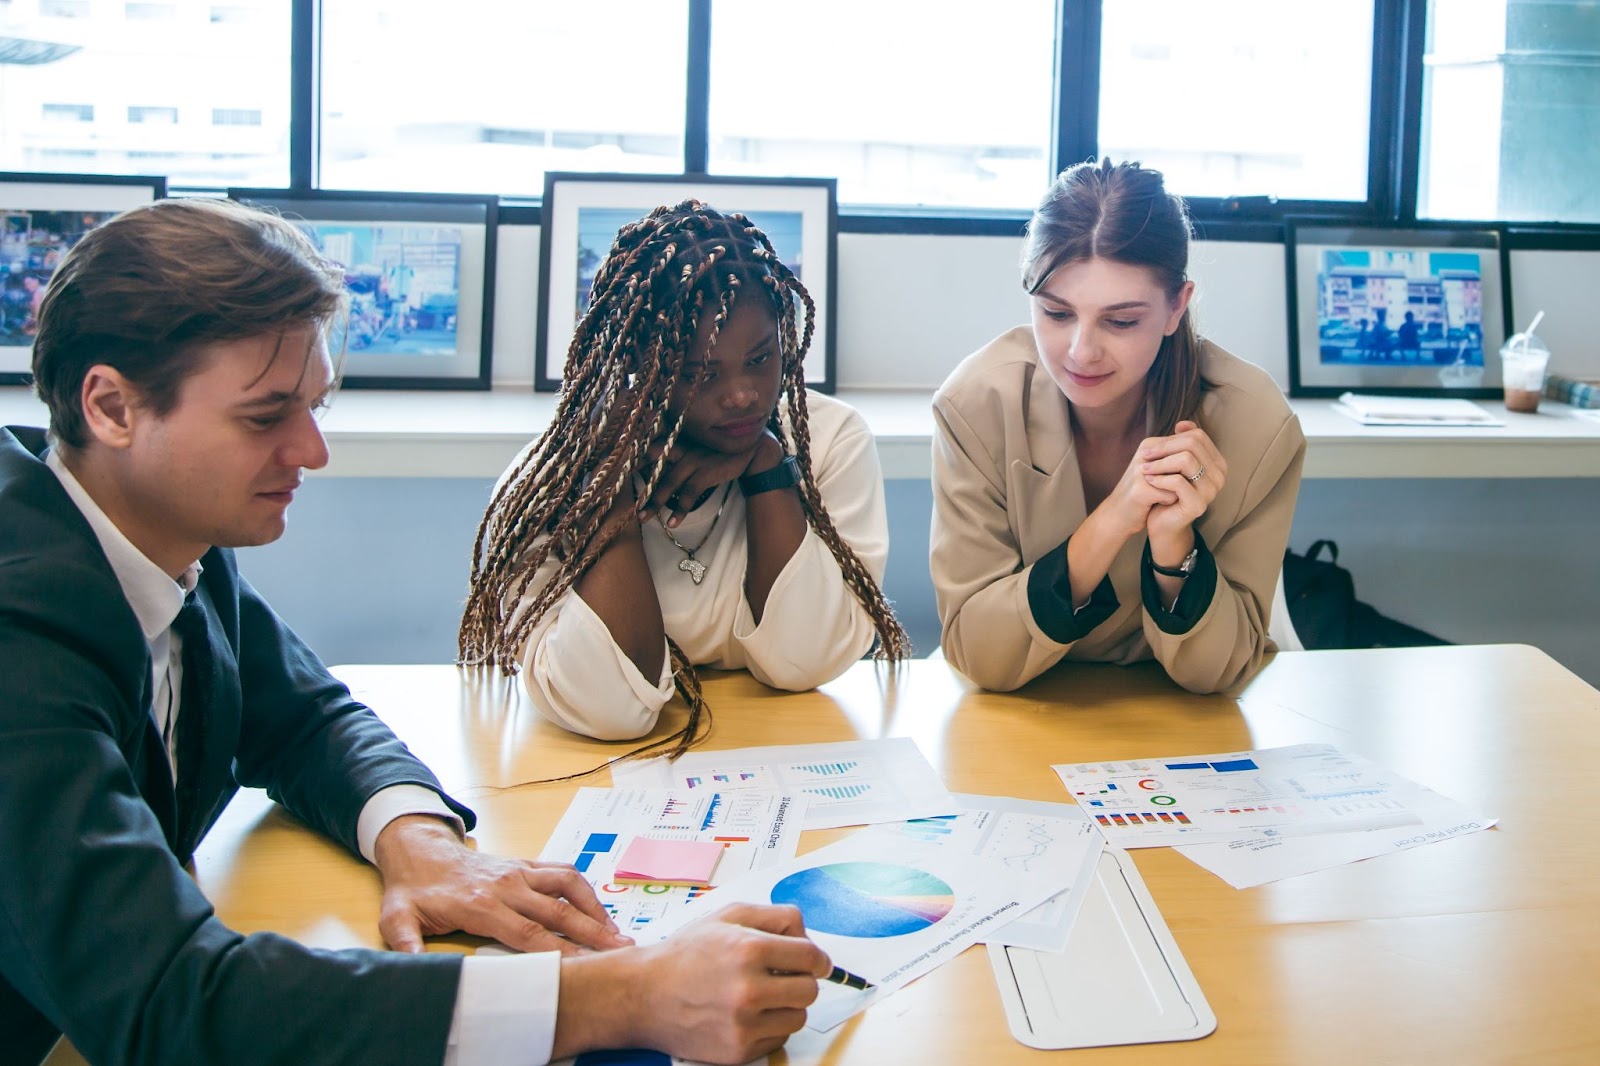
(866, 899)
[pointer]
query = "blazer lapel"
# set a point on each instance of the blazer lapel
(1046, 487)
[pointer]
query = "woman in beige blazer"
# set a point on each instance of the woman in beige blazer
(1106, 485)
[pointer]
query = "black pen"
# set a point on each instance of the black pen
(842, 976)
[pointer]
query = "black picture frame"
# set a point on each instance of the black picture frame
(399, 330)
(579, 208)
(57, 206)
(1448, 285)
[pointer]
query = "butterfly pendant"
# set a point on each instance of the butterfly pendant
(694, 568)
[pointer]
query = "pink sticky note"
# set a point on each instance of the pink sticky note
(668, 862)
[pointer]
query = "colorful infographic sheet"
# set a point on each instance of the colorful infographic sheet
(1052, 840)
(1258, 860)
(854, 782)
(757, 829)
(1191, 799)
(888, 907)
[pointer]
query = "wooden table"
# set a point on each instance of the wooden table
(1478, 949)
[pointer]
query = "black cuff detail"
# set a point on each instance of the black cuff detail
(1193, 598)
(1050, 599)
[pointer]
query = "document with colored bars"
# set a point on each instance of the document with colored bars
(857, 782)
(757, 827)
(1299, 789)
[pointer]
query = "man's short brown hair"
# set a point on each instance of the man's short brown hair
(148, 290)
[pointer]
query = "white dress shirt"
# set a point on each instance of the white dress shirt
(813, 627)
(505, 1006)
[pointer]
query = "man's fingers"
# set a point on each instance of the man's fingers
(559, 879)
(781, 1021)
(516, 930)
(779, 918)
(783, 953)
(560, 916)
(568, 905)
(402, 931)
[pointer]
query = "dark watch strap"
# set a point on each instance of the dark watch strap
(1183, 569)
(785, 475)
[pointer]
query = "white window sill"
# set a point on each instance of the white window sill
(379, 433)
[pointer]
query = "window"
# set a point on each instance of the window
(235, 116)
(140, 77)
(64, 9)
(1511, 112)
(1240, 97)
(68, 112)
(420, 101)
(153, 116)
(151, 12)
(232, 16)
(906, 107)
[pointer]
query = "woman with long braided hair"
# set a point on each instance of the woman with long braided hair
(690, 504)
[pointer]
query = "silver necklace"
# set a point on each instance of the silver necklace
(690, 565)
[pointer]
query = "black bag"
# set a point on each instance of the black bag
(1321, 596)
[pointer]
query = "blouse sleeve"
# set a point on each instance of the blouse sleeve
(1212, 646)
(579, 678)
(813, 627)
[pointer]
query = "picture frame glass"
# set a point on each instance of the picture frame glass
(583, 214)
(418, 274)
(1393, 310)
(41, 219)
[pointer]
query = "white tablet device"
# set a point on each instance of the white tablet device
(1141, 990)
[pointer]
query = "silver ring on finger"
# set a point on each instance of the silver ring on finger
(1198, 474)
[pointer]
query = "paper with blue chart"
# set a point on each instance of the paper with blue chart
(1055, 840)
(890, 906)
(1258, 860)
(756, 827)
(1302, 788)
(853, 782)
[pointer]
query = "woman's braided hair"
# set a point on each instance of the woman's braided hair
(664, 274)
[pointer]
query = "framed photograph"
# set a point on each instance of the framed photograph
(41, 217)
(583, 212)
(1417, 310)
(420, 272)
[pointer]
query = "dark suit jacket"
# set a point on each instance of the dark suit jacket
(102, 934)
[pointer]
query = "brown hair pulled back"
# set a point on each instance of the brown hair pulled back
(1123, 212)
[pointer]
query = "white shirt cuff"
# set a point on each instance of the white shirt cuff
(505, 1011)
(397, 801)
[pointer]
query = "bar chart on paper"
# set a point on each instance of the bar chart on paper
(848, 783)
(1268, 793)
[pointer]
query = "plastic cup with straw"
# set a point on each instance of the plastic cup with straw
(1523, 361)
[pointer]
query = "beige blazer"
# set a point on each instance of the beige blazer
(1007, 490)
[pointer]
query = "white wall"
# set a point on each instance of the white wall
(1470, 560)
(912, 306)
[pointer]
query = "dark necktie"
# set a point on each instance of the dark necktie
(193, 713)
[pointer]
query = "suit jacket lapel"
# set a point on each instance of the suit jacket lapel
(213, 776)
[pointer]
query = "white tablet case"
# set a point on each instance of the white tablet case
(1120, 980)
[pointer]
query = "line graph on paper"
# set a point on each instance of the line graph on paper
(1035, 844)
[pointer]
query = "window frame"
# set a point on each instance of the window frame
(1393, 171)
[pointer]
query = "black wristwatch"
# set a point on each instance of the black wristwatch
(786, 475)
(1183, 569)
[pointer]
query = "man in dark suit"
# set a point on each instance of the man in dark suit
(181, 353)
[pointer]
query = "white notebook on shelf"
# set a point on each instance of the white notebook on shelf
(1413, 411)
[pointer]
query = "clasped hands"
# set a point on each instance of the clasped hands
(1168, 485)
